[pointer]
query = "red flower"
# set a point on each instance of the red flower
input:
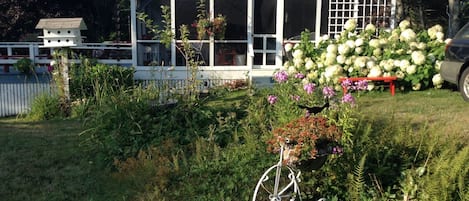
(301, 137)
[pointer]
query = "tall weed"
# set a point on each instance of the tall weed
(45, 107)
(90, 77)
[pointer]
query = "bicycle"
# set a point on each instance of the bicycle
(289, 190)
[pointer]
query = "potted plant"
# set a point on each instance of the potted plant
(219, 26)
(210, 27)
(24, 65)
(206, 26)
(307, 141)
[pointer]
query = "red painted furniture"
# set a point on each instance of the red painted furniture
(389, 79)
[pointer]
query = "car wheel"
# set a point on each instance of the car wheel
(464, 84)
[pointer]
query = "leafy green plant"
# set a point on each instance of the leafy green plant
(119, 126)
(446, 176)
(45, 107)
(90, 78)
(414, 56)
(357, 181)
(24, 65)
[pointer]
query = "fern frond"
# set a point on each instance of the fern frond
(357, 181)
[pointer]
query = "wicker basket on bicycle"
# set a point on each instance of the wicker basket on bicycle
(307, 142)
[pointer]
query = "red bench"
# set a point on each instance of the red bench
(389, 79)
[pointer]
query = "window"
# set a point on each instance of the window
(236, 17)
(299, 15)
(264, 16)
(186, 13)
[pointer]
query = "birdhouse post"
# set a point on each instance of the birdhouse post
(62, 33)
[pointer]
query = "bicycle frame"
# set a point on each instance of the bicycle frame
(277, 193)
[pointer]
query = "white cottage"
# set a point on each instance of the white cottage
(62, 32)
(255, 33)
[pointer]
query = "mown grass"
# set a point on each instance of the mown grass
(443, 110)
(43, 160)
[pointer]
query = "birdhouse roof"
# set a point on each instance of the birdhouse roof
(61, 23)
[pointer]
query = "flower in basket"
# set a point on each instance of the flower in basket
(203, 27)
(306, 138)
(210, 27)
(219, 26)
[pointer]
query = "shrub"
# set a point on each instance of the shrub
(118, 126)
(24, 65)
(413, 56)
(90, 79)
(45, 107)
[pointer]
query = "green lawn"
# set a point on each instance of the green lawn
(444, 111)
(43, 160)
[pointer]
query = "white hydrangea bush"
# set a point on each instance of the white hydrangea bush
(412, 56)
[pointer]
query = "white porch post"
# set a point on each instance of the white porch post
(32, 52)
(133, 31)
(317, 29)
(393, 14)
(279, 33)
(250, 36)
(212, 39)
(173, 29)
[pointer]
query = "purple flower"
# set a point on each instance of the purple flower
(348, 98)
(295, 98)
(328, 92)
(361, 85)
(50, 68)
(281, 76)
(309, 88)
(347, 83)
(299, 76)
(272, 99)
(337, 150)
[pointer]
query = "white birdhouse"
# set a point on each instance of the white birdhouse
(62, 32)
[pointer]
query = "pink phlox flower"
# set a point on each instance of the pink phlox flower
(309, 88)
(295, 98)
(281, 76)
(347, 84)
(337, 150)
(348, 98)
(50, 68)
(328, 92)
(361, 85)
(272, 99)
(300, 76)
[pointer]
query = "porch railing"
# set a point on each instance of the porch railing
(107, 53)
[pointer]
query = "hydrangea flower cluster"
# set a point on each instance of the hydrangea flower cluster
(413, 56)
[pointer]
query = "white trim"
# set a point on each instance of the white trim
(211, 45)
(133, 31)
(250, 36)
(317, 28)
(392, 24)
(173, 29)
(279, 33)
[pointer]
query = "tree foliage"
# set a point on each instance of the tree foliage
(18, 18)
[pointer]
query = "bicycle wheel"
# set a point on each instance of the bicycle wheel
(276, 184)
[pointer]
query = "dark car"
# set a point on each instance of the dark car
(455, 67)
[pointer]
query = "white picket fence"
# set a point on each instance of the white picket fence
(17, 97)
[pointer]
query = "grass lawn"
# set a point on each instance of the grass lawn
(43, 160)
(442, 111)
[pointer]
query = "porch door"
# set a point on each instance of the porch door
(267, 37)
